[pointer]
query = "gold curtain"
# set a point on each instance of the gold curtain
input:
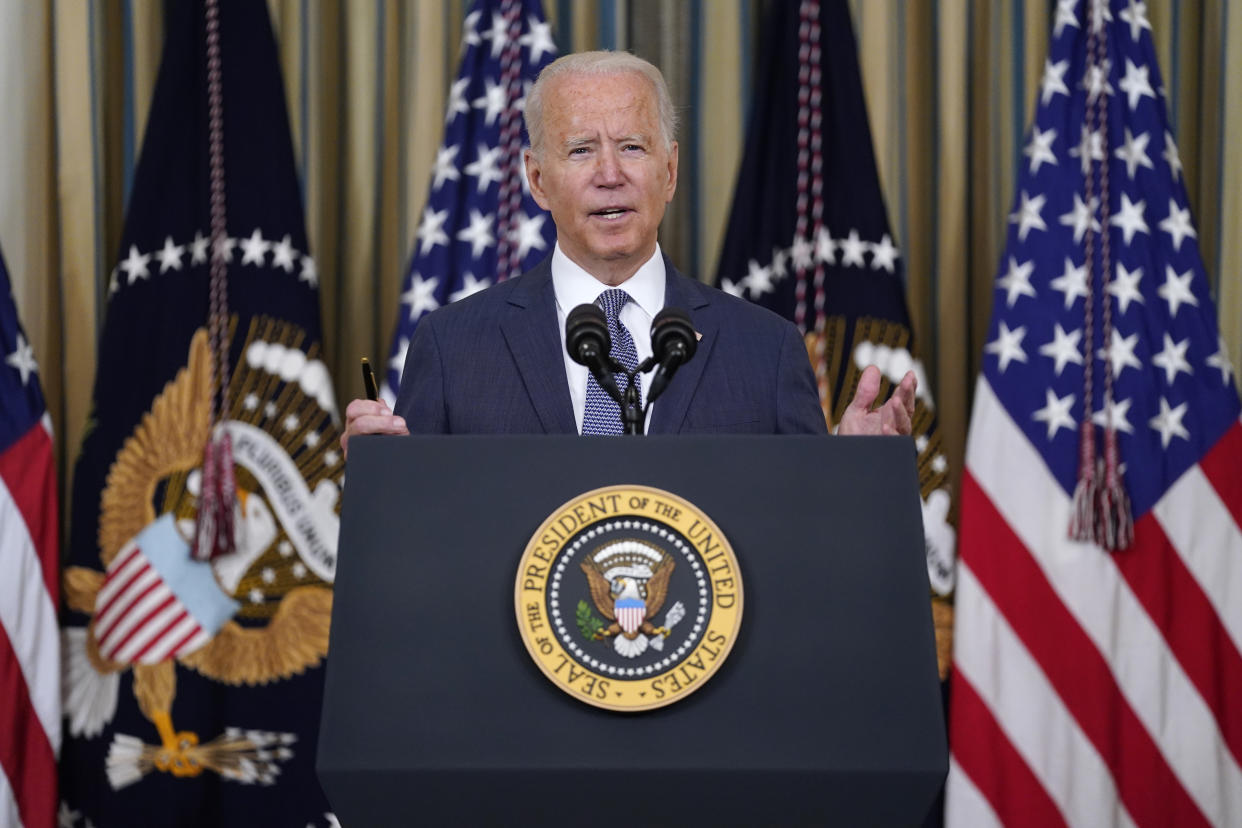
(950, 84)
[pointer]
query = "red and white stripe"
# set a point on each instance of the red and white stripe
(630, 618)
(138, 618)
(1089, 688)
(29, 638)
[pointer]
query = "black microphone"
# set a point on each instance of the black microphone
(673, 343)
(589, 344)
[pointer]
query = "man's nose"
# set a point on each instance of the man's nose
(608, 168)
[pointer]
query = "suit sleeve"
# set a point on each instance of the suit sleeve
(420, 399)
(797, 396)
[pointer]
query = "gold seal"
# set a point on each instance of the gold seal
(628, 598)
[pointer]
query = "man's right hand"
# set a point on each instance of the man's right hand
(370, 417)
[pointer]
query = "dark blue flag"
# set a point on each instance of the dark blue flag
(480, 225)
(809, 237)
(193, 687)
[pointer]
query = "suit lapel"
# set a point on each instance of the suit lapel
(530, 329)
(671, 407)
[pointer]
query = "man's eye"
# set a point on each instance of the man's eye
(579, 151)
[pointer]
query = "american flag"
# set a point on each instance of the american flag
(480, 224)
(29, 552)
(1093, 687)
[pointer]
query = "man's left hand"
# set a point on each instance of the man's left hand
(891, 418)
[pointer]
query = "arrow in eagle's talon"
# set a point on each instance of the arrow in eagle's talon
(675, 613)
(658, 635)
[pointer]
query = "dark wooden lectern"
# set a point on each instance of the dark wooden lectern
(826, 711)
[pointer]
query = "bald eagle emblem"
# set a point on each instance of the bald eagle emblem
(628, 582)
(257, 616)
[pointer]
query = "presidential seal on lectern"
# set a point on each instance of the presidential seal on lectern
(628, 598)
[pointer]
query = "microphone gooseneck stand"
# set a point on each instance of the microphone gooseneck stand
(633, 414)
(673, 343)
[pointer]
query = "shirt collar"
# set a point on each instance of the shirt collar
(574, 286)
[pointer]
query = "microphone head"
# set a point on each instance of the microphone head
(672, 329)
(586, 334)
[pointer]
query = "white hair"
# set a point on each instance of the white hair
(599, 63)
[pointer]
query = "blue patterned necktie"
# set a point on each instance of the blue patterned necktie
(602, 415)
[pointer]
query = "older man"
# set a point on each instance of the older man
(603, 161)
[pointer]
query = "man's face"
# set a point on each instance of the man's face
(604, 172)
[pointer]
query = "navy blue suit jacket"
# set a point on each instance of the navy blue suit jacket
(493, 363)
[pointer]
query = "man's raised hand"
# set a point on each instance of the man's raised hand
(893, 417)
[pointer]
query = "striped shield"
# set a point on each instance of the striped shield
(630, 613)
(156, 602)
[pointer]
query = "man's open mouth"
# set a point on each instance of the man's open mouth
(611, 212)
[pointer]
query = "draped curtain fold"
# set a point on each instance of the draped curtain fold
(950, 85)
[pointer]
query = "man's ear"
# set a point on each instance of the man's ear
(671, 188)
(534, 178)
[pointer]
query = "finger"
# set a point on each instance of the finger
(887, 417)
(901, 417)
(868, 388)
(364, 408)
(378, 424)
(907, 391)
(371, 424)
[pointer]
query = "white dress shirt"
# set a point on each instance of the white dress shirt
(574, 286)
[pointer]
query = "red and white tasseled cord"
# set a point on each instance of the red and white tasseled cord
(810, 187)
(214, 530)
(1101, 509)
(509, 206)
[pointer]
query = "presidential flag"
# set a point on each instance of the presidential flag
(29, 571)
(193, 676)
(1097, 668)
(480, 225)
(809, 237)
